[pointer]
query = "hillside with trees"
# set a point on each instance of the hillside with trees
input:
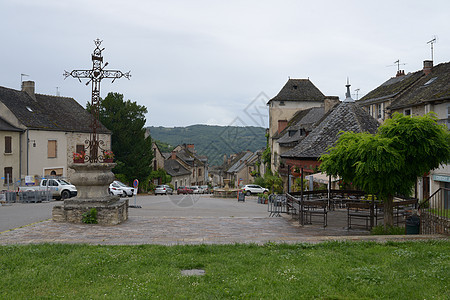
(212, 141)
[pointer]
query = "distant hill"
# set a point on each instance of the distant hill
(212, 141)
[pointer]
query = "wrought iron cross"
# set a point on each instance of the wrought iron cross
(95, 75)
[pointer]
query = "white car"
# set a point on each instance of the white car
(195, 189)
(120, 189)
(250, 189)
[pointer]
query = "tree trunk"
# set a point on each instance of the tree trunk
(389, 211)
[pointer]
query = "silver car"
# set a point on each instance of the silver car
(163, 189)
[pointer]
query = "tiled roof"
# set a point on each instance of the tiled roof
(5, 126)
(391, 88)
(304, 119)
(299, 90)
(432, 87)
(174, 168)
(347, 116)
(48, 112)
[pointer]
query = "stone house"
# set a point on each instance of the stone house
(296, 95)
(51, 129)
(244, 168)
(346, 116)
(180, 175)
(197, 165)
(158, 157)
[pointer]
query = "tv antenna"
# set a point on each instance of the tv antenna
(432, 42)
(397, 62)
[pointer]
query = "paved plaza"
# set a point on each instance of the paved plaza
(171, 220)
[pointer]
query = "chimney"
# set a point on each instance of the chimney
(174, 155)
(330, 102)
(191, 147)
(28, 87)
(427, 66)
(282, 124)
(400, 73)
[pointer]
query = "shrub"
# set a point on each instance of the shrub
(389, 230)
(90, 217)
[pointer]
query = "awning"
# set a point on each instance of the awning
(322, 178)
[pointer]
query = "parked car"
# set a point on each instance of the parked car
(184, 190)
(250, 189)
(163, 189)
(195, 189)
(120, 189)
(205, 189)
(59, 188)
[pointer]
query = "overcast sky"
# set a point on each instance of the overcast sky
(217, 62)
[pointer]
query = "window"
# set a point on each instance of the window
(407, 112)
(80, 148)
(379, 111)
(199, 172)
(8, 144)
(51, 149)
(8, 175)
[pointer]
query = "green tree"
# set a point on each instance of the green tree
(390, 161)
(132, 150)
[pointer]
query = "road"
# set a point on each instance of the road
(21, 214)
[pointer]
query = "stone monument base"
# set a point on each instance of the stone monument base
(111, 210)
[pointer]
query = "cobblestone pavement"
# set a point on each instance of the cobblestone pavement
(202, 225)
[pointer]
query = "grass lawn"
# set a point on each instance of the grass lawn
(334, 270)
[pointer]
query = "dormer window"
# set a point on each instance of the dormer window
(295, 87)
(292, 132)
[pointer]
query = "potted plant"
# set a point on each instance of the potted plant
(296, 171)
(108, 156)
(78, 158)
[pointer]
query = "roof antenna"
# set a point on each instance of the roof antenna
(432, 42)
(397, 62)
(21, 79)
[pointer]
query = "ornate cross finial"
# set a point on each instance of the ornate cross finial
(95, 75)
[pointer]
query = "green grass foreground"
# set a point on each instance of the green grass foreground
(334, 270)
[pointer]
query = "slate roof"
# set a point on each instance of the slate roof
(5, 126)
(237, 166)
(391, 88)
(299, 90)
(304, 119)
(190, 158)
(347, 116)
(432, 87)
(174, 168)
(48, 112)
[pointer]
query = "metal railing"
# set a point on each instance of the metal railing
(435, 213)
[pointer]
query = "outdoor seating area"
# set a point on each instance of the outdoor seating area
(363, 211)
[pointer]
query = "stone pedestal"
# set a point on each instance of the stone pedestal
(92, 181)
